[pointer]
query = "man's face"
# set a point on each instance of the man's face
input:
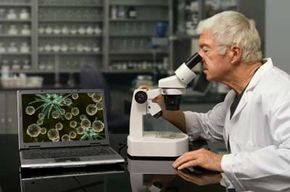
(216, 63)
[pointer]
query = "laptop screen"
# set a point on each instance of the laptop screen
(62, 116)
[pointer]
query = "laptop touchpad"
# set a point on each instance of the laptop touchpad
(67, 159)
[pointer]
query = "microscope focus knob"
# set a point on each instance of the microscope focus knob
(141, 97)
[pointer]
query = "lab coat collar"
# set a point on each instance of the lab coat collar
(268, 64)
(254, 81)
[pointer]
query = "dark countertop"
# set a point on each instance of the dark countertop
(135, 175)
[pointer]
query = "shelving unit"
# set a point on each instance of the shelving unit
(69, 34)
(55, 36)
(113, 35)
(15, 34)
(116, 36)
(131, 25)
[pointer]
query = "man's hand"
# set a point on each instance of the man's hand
(202, 158)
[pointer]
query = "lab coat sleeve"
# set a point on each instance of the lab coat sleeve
(268, 168)
(206, 125)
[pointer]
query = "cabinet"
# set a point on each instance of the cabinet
(138, 35)
(51, 35)
(62, 36)
(15, 34)
(69, 34)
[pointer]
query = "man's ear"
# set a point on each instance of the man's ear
(236, 53)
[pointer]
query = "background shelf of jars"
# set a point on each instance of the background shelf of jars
(15, 34)
(50, 35)
(69, 34)
(131, 30)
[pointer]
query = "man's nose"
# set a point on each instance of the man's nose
(201, 53)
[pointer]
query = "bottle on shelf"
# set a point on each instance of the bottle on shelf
(12, 48)
(24, 48)
(2, 14)
(12, 30)
(2, 48)
(24, 14)
(2, 30)
(25, 30)
(5, 71)
(11, 15)
(132, 12)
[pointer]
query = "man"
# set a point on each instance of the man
(254, 118)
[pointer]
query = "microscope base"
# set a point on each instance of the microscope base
(158, 144)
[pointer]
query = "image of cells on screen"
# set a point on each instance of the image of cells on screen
(63, 117)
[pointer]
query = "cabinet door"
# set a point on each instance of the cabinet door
(2, 113)
(11, 112)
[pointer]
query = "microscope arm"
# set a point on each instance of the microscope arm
(142, 104)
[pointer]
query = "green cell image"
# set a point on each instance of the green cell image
(64, 117)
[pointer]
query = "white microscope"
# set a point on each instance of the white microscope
(155, 143)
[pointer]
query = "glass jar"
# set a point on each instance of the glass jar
(25, 30)
(24, 48)
(2, 48)
(2, 13)
(12, 48)
(65, 30)
(90, 30)
(2, 31)
(11, 15)
(24, 15)
(12, 30)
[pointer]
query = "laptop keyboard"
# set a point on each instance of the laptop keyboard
(75, 152)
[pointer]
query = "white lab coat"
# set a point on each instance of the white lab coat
(258, 132)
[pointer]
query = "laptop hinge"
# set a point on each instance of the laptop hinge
(34, 146)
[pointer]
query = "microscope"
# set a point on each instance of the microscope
(156, 143)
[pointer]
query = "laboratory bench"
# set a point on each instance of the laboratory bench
(134, 175)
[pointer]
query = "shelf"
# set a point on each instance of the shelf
(143, 3)
(71, 21)
(14, 20)
(15, 53)
(15, 36)
(43, 71)
(70, 36)
(70, 53)
(129, 71)
(138, 52)
(72, 6)
(131, 35)
(138, 20)
(15, 5)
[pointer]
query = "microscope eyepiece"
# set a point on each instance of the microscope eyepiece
(193, 60)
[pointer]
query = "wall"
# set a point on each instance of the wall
(277, 32)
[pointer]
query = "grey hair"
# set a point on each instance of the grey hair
(233, 28)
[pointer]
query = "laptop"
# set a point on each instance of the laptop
(63, 128)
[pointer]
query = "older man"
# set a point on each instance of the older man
(254, 118)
